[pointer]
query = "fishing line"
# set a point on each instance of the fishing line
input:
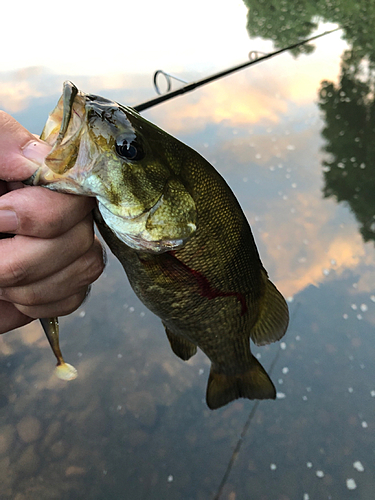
(192, 86)
(246, 426)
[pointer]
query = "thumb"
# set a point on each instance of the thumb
(20, 151)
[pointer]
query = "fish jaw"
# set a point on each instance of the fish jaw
(63, 130)
(68, 165)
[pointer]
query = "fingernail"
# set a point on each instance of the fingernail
(36, 151)
(8, 221)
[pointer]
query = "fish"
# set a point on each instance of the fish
(179, 232)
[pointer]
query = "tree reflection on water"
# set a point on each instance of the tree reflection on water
(349, 116)
(348, 106)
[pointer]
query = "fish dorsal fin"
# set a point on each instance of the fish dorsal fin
(273, 316)
(252, 384)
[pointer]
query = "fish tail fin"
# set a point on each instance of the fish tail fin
(273, 317)
(252, 384)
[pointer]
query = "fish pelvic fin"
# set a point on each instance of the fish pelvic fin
(273, 316)
(183, 348)
(252, 384)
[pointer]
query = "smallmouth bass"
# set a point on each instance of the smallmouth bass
(179, 232)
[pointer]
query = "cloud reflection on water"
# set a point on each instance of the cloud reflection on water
(276, 127)
(262, 110)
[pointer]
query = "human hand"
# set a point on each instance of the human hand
(47, 267)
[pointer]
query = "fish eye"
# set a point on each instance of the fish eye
(129, 150)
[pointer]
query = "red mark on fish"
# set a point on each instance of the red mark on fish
(205, 287)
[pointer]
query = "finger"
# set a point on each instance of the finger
(60, 308)
(26, 260)
(17, 161)
(74, 279)
(11, 317)
(44, 213)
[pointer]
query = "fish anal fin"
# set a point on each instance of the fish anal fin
(252, 384)
(273, 316)
(183, 348)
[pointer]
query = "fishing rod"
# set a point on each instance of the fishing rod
(194, 85)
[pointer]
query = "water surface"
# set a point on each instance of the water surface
(293, 137)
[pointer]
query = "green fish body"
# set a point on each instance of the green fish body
(179, 232)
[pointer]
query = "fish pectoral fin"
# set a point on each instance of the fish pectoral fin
(252, 384)
(183, 348)
(273, 316)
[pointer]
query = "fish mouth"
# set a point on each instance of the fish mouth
(69, 93)
(63, 129)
